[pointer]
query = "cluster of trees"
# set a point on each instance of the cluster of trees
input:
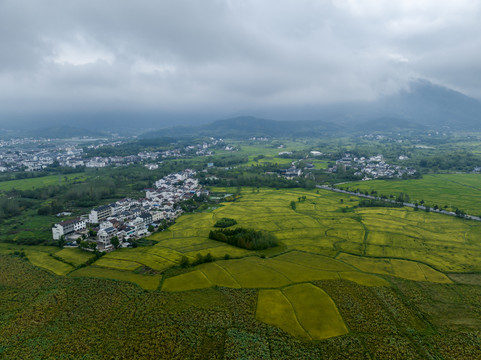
(50, 170)
(132, 147)
(225, 222)
(460, 160)
(255, 179)
(200, 259)
(249, 239)
(230, 160)
(89, 194)
(10, 207)
(194, 203)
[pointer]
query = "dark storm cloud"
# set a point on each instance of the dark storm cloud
(226, 55)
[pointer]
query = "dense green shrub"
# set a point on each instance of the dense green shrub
(245, 238)
(225, 222)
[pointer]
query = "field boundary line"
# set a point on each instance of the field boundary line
(228, 274)
(311, 267)
(277, 271)
(295, 313)
(307, 267)
(390, 258)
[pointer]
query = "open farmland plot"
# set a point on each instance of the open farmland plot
(141, 257)
(117, 264)
(46, 261)
(409, 270)
(305, 311)
(318, 226)
(411, 320)
(6, 248)
(253, 272)
(147, 282)
(316, 311)
(454, 190)
(74, 256)
(39, 182)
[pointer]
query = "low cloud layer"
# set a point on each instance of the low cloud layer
(228, 55)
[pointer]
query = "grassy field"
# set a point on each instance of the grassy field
(271, 160)
(29, 225)
(39, 182)
(454, 190)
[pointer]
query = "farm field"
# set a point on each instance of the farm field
(38, 182)
(254, 149)
(74, 256)
(46, 261)
(271, 160)
(317, 226)
(253, 272)
(303, 310)
(147, 282)
(408, 320)
(375, 252)
(454, 190)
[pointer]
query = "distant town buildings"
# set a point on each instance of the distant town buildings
(37, 155)
(373, 167)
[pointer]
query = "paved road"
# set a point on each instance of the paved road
(420, 207)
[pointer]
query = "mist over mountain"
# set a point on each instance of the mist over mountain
(423, 106)
(430, 105)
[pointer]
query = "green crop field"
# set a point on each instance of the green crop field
(39, 182)
(46, 261)
(461, 191)
(317, 226)
(253, 272)
(147, 282)
(74, 256)
(303, 310)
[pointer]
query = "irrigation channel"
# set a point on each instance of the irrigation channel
(420, 207)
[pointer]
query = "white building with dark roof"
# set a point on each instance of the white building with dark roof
(100, 213)
(67, 227)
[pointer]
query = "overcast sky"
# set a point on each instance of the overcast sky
(227, 55)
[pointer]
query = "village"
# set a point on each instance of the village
(40, 154)
(373, 167)
(117, 224)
